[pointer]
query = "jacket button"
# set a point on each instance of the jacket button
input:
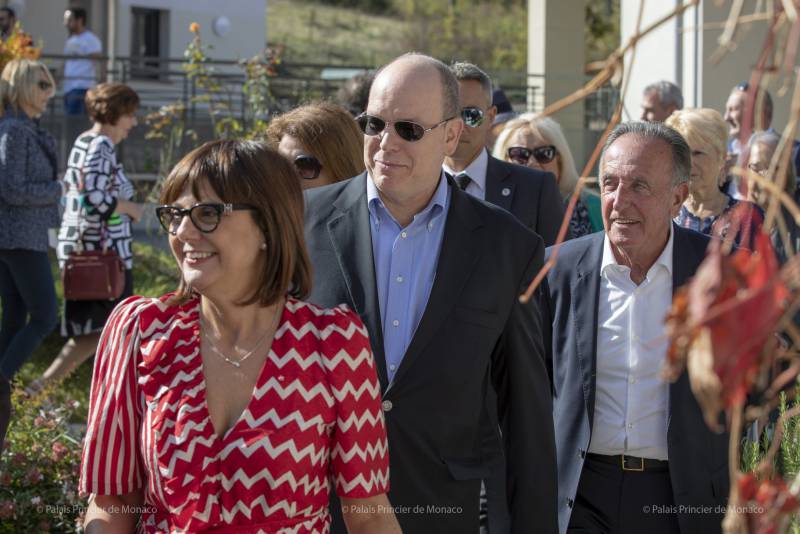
(570, 503)
(386, 406)
(583, 453)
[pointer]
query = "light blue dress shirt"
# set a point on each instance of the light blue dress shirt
(405, 267)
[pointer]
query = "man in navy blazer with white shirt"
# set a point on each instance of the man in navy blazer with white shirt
(634, 454)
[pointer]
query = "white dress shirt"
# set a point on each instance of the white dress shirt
(631, 398)
(477, 174)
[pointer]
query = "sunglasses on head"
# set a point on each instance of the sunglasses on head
(205, 216)
(44, 85)
(472, 116)
(307, 166)
(407, 130)
(522, 155)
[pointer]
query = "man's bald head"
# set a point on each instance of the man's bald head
(417, 65)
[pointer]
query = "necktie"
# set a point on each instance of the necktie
(463, 181)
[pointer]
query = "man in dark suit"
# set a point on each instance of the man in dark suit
(634, 454)
(435, 273)
(530, 195)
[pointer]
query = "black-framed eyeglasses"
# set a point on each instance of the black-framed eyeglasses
(44, 85)
(204, 216)
(410, 131)
(472, 116)
(522, 155)
(307, 166)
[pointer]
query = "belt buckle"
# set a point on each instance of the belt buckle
(625, 463)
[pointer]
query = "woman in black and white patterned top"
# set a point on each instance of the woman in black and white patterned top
(98, 213)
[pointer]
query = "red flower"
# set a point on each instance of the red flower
(33, 476)
(747, 486)
(7, 510)
(60, 451)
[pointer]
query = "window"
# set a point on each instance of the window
(148, 43)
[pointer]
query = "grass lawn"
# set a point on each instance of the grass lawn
(315, 33)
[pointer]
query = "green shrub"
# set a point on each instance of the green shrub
(39, 468)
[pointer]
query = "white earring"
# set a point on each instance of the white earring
(263, 246)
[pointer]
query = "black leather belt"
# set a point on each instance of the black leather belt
(630, 463)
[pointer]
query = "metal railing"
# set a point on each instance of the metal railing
(160, 81)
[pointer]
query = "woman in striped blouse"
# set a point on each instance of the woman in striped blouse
(231, 405)
(98, 212)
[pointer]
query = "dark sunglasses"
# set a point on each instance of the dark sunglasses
(522, 155)
(205, 216)
(45, 85)
(410, 131)
(307, 166)
(472, 116)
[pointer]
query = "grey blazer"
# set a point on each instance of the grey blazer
(29, 189)
(474, 336)
(698, 458)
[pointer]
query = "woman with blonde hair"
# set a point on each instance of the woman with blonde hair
(706, 133)
(29, 197)
(539, 143)
(322, 141)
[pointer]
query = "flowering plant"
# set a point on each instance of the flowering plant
(18, 46)
(40, 467)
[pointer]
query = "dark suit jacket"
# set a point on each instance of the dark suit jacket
(474, 335)
(698, 458)
(531, 196)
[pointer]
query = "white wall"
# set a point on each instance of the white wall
(657, 56)
(248, 25)
(704, 83)
(43, 19)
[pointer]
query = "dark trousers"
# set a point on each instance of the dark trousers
(29, 304)
(74, 102)
(613, 501)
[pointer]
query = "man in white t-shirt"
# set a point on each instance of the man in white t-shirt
(79, 74)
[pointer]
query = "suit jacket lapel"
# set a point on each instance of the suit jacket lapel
(685, 261)
(585, 297)
(351, 237)
(457, 258)
(496, 182)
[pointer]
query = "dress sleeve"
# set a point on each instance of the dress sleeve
(98, 194)
(360, 457)
(111, 462)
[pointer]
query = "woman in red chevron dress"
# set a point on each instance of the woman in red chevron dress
(231, 405)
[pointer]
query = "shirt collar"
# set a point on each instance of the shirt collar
(436, 205)
(664, 259)
(475, 170)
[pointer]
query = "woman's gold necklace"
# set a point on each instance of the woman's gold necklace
(238, 363)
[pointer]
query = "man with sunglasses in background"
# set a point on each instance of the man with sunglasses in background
(435, 275)
(530, 195)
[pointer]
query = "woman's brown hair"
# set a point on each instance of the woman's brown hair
(107, 102)
(329, 132)
(251, 172)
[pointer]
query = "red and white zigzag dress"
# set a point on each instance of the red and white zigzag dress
(314, 420)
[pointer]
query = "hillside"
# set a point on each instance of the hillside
(314, 33)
